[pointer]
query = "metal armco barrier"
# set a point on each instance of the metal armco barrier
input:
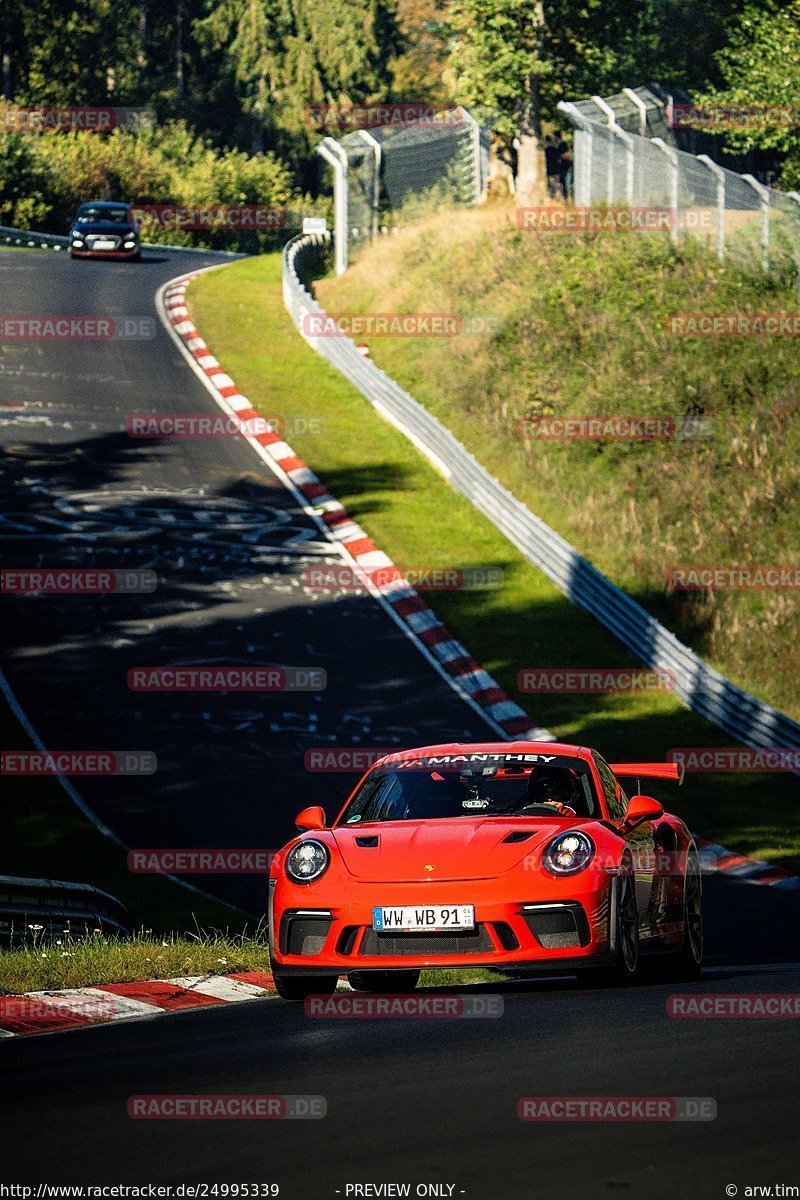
(697, 684)
(47, 906)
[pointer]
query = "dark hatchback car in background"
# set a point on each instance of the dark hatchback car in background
(104, 229)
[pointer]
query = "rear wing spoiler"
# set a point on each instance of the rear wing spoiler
(673, 771)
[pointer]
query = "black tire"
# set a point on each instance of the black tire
(687, 963)
(393, 982)
(626, 969)
(137, 257)
(300, 987)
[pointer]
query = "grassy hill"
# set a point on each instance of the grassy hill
(574, 338)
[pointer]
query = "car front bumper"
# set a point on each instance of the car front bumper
(564, 925)
(127, 254)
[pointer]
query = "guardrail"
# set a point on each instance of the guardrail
(29, 238)
(46, 907)
(697, 684)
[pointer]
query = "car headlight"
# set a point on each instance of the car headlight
(307, 861)
(569, 853)
(129, 245)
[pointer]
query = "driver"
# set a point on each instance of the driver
(553, 787)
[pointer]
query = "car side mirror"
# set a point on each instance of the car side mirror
(642, 808)
(311, 818)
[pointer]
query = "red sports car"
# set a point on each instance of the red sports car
(522, 856)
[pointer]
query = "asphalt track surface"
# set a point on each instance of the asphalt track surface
(408, 1102)
(435, 1101)
(229, 545)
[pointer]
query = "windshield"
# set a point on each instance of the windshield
(416, 791)
(98, 212)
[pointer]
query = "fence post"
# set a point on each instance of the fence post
(717, 171)
(583, 163)
(335, 155)
(376, 186)
(475, 135)
(630, 159)
(642, 107)
(674, 189)
(763, 194)
(608, 112)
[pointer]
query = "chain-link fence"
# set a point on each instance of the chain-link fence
(734, 214)
(390, 174)
(635, 110)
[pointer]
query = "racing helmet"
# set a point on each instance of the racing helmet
(551, 785)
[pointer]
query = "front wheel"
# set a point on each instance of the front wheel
(394, 982)
(300, 987)
(686, 963)
(626, 967)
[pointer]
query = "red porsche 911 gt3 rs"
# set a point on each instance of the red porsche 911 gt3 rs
(522, 856)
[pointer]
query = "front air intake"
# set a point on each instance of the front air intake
(557, 926)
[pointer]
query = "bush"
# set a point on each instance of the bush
(45, 176)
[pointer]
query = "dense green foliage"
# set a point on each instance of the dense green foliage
(44, 177)
(760, 67)
(245, 74)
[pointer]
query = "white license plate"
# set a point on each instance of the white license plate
(423, 918)
(104, 244)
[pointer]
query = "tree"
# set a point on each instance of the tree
(518, 58)
(288, 55)
(760, 73)
(420, 69)
(499, 65)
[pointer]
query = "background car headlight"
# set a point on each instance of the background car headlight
(569, 853)
(307, 861)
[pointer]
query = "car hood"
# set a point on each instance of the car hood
(103, 227)
(455, 848)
